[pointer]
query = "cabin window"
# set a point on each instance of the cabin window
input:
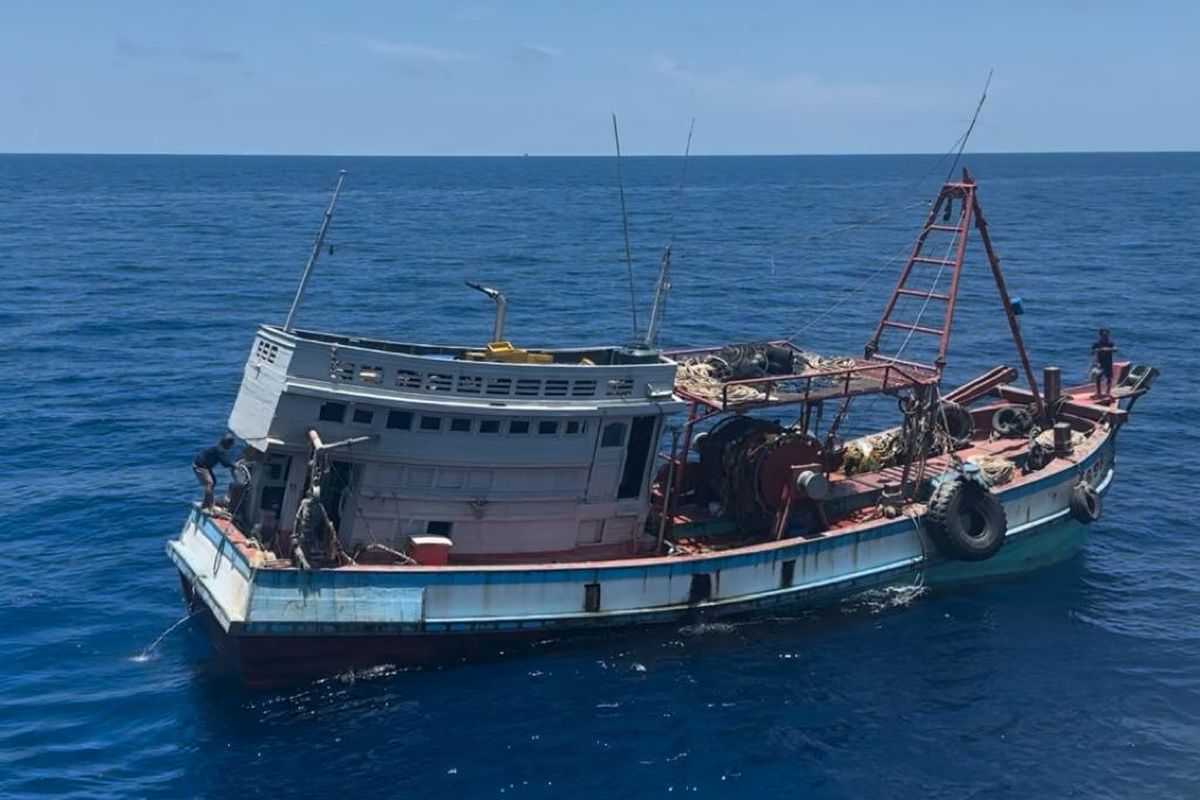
(363, 416)
(267, 351)
(528, 387)
(518, 426)
(548, 427)
(438, 528)
(498, 386)
(431, 423)
(619, 387)
(614, 435)
(460, 425)
(271, 498)
(583, 389)
(332, 412)
(400, 420)
(489, 426)
(408, 379)
(470, 384)
(438, 383)
(574, 426)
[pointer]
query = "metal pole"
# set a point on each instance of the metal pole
(664, 272)
(960, 252)
(1052, 385)
(501, 304)
(660, 299)
(684, 451)
(316, 252)
(668, 493)
(625, 228)
(1014, 326)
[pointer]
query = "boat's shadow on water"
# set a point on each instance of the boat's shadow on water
(703, 636)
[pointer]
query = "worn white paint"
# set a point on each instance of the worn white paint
(650, 589)
(500, 491)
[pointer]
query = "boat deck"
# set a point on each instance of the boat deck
(1080, 398)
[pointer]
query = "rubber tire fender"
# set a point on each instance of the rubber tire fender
(965, 521)
(957, 421)
(1086, 503)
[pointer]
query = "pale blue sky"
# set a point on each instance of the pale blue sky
(375, 77)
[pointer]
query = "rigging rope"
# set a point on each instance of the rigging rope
(850, 294)
(957, 148)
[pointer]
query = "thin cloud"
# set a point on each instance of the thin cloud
(537, 52)
(793, 92)
(670, 67)
(130, 49)
(126, 48)
(419, 53)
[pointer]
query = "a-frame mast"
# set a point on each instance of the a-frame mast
(964, 193)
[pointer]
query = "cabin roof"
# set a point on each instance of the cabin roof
(596, 355)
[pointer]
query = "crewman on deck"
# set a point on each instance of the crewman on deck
(1102, 362)
(203, 465)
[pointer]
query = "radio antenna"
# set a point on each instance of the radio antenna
(962, 143)
(664, 271)
(625, 227)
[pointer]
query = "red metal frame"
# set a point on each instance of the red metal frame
(893, 378)
(890, 366)
(965, 192)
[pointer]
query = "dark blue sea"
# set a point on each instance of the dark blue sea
(129, 294)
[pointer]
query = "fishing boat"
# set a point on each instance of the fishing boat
(400, 503)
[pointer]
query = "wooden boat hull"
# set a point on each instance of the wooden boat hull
(282, 625)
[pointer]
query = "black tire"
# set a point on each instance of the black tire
(965, 521)
(956, 421)
(1012, 421)
(1086, 503)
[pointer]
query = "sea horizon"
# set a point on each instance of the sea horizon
(967, 154)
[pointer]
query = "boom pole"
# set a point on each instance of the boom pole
(316, 253)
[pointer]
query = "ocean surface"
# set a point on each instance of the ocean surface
(129, 295)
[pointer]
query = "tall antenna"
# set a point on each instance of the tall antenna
(316, 252)
(625, 227)
(664, 272)
(962, 143)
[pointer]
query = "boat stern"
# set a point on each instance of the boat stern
(212, 570)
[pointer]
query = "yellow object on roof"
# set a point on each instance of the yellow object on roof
(504, 351)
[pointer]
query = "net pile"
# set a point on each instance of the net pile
(996, 469)
(703, 379)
